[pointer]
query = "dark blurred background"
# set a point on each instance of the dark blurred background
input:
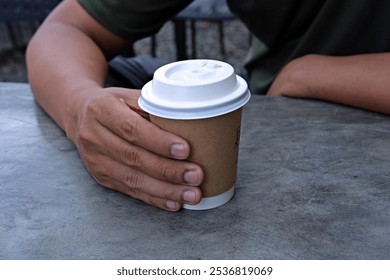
(204, 23)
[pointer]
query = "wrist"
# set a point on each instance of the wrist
(79, 98)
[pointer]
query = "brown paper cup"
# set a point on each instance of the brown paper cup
(214, 146)
(201, 101)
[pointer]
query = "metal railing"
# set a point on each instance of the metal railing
(29, 12)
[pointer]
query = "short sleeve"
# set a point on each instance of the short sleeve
(135, 19)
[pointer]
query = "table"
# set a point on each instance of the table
(313, 183)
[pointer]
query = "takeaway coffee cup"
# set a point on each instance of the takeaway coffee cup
(201, 101)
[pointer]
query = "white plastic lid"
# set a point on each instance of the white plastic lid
(194, 89)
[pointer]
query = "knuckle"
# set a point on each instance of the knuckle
(133, 181)
(151, 200)
(131, 129)
(92, 107)
(86, 129)
(132, 156)
(93, 165)
(102, 180)
(84, 137)
(169, 173)
(85, 145)
(172, 194)
(95, 105)
(91, 160)
(108, 182)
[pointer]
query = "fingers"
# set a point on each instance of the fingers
(124, 151)
(161, 194)
(123, 118)
(174, 171)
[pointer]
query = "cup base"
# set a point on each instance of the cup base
(211, 202)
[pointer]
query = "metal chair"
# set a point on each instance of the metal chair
(215, 11)
(200, 10)
(13, 12)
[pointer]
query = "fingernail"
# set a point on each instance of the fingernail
(189, 196)
(191, 177)
(171, 204)
(178, 151)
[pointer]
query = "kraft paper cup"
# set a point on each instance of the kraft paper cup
(201, 100)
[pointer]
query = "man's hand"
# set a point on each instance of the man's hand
(124, 151)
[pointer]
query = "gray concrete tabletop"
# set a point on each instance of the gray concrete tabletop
(313, 183)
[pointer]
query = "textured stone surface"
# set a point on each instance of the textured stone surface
(313, 183)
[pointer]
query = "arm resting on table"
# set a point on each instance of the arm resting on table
(361, 81)
(67, 65)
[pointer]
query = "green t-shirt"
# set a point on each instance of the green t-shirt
(283, 29)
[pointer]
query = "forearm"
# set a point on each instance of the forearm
(67, 64)
(361, 80)
(62, 64)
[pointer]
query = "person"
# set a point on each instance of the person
(331, 50)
